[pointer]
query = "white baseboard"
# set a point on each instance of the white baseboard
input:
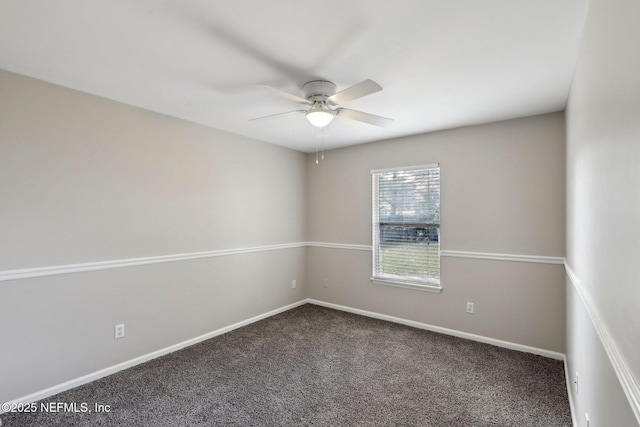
(48, 392)
(446, 331)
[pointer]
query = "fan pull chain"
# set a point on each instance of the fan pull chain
(320, 132)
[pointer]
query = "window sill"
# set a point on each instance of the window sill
(427, 287)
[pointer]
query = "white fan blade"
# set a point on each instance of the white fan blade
(285, 95)
(288, 113)
(363, 117)
(356, 91)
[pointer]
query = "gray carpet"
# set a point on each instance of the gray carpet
(322, 367)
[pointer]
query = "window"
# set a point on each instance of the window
(406, 227)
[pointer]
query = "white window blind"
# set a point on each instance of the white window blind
(406, 225)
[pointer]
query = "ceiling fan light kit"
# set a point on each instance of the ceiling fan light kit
(318, 92)
(321, 96)
(319, 115)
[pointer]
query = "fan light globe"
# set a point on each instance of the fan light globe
(319, 115)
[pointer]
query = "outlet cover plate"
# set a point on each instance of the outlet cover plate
(119, 331)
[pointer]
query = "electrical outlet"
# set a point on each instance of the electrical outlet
(119, 331)
(294, 283)
(576, 383)
(470, 307)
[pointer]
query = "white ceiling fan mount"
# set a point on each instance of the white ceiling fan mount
(318, 93)
(325, 102)
(318, 90)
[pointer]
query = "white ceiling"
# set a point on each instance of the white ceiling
(442, 63)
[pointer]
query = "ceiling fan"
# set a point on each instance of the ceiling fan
(325, 102)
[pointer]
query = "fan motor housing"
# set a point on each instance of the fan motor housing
(318, 90)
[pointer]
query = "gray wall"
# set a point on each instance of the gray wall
(603, 215)
(502, 192)
(84, 179)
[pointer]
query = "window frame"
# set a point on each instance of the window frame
(426, 284)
